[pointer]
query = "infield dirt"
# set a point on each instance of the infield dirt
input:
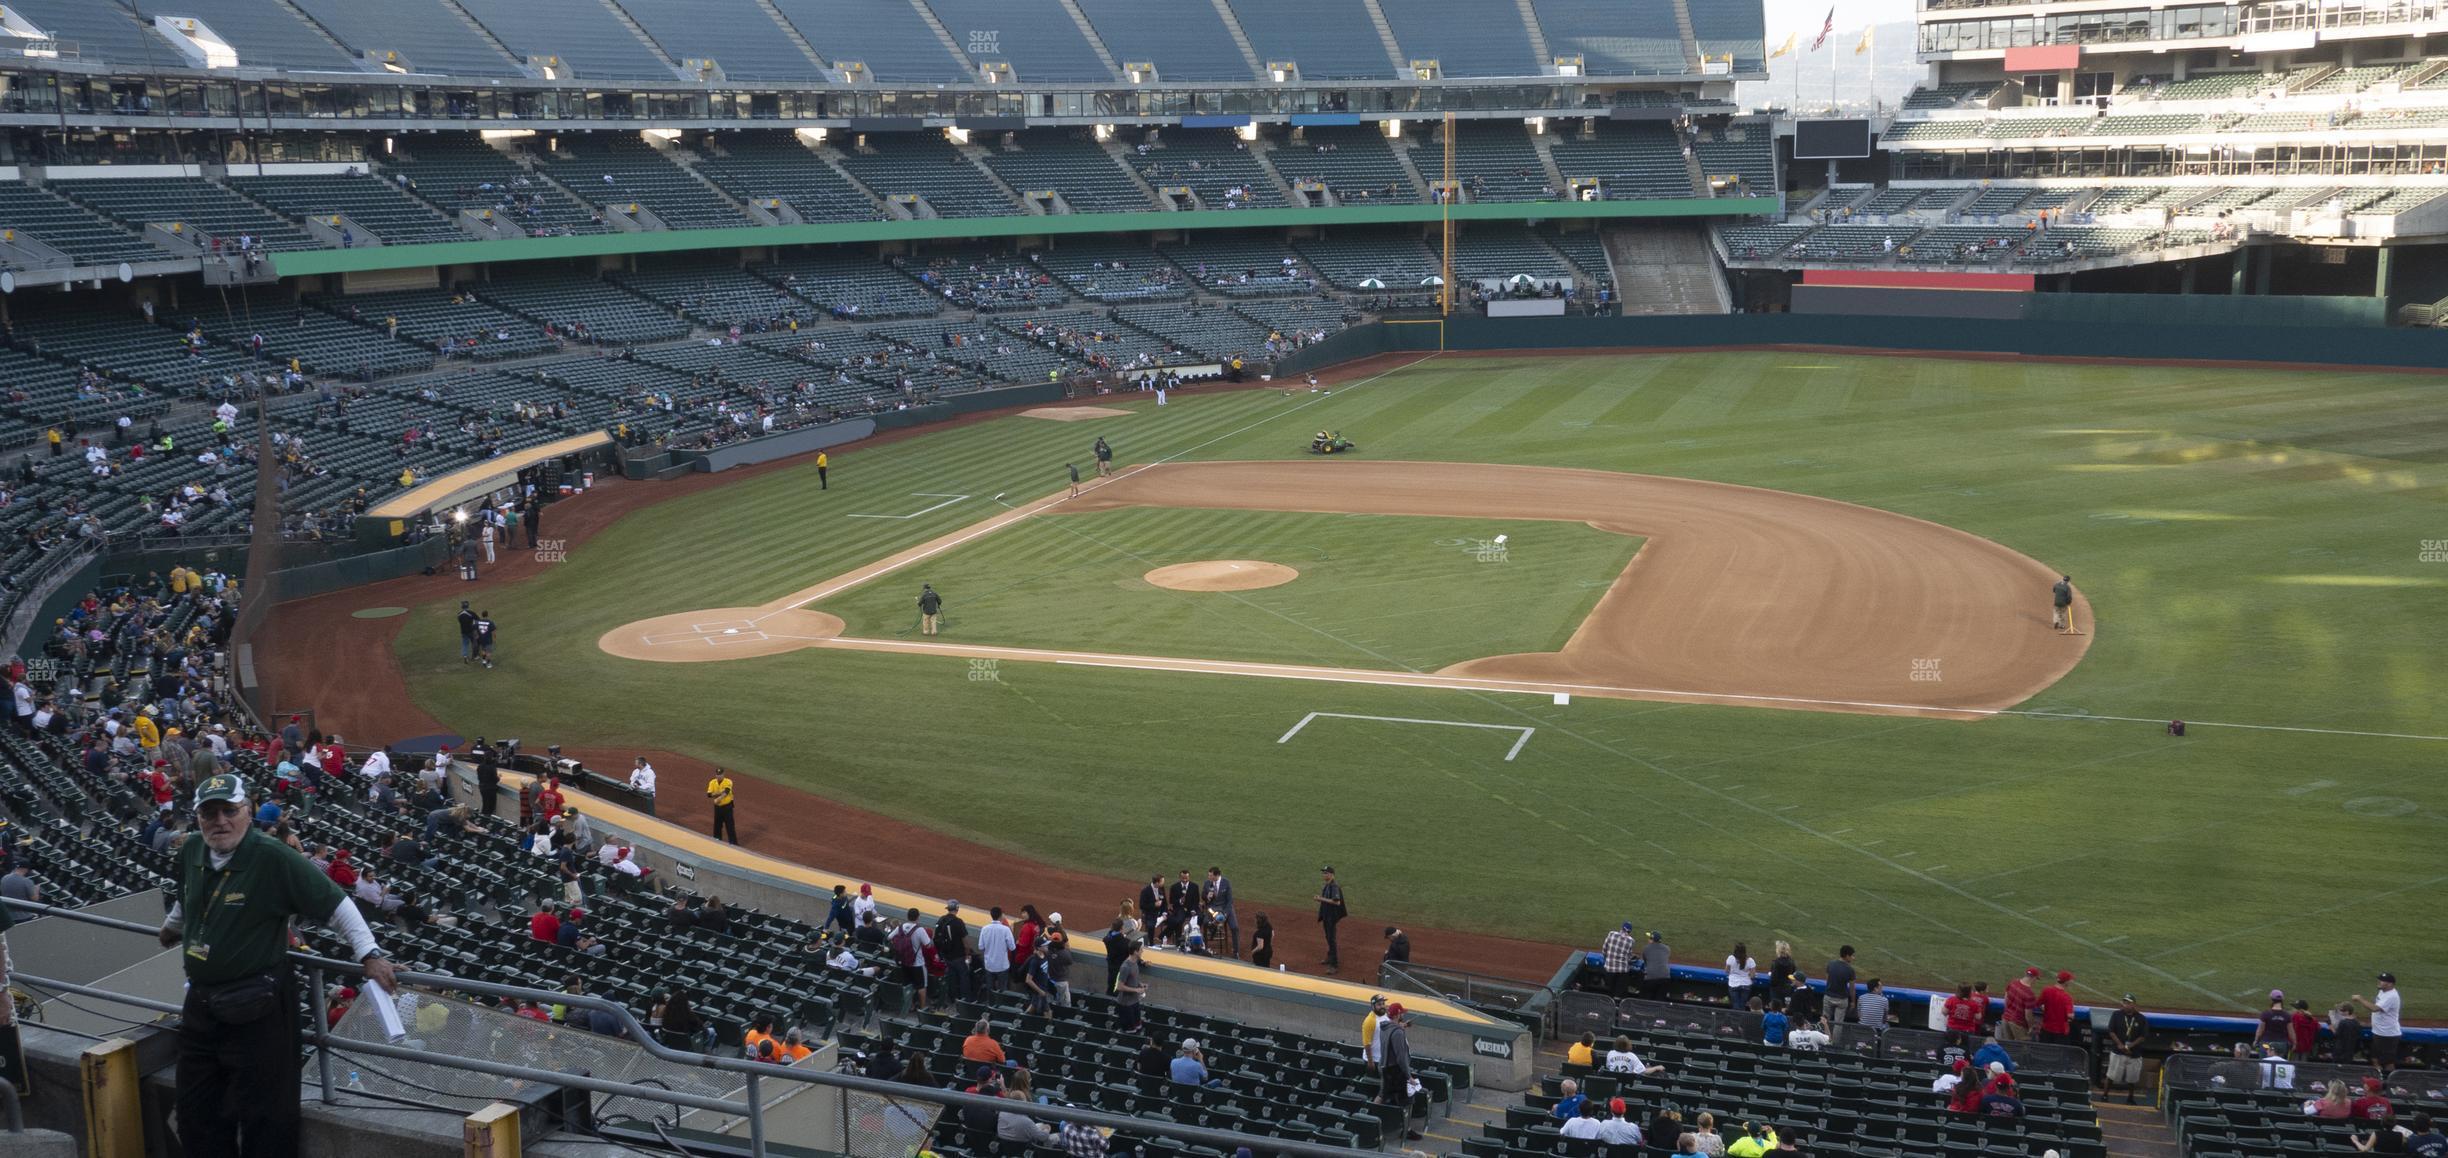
(1741, 595)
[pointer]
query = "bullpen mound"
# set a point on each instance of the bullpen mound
(1222, 575)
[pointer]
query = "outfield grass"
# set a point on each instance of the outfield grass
(2251, 542)
(1374, 591)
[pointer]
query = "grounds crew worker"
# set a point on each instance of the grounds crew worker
(719, 790)
(930, 609)
(238, 888)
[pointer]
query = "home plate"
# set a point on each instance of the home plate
(730, 631)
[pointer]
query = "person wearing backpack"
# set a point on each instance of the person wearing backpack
(909, 945)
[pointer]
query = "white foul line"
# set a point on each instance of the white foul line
(948, 500)
(1510, 753)
(1280, 413)
(999, 522)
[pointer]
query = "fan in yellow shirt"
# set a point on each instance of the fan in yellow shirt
(1756, 1141)
(1583, 1052)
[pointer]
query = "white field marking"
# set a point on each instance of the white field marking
(1510, 753)
(1547, 687)
(948, 500)
(831, 589)
(2323, 911)
(2314, 786)
(1295, 410)
(990, 526)
(1887, 862)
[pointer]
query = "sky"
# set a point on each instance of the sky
(1806, 16)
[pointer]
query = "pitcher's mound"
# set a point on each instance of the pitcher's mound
(1074, 413)
(723, 633)
(1222, 575)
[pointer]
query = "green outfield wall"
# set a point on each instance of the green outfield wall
(2243, 343)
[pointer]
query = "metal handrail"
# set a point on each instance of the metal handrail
(751, 1106)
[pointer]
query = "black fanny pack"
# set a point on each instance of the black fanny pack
(245, 1000)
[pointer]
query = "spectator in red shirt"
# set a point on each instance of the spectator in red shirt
(548, 801)
(2016, 1025)
(2057, 1011)
(1963, 1017)
(544, 926)
(1025, 934)
(2303, 1032)
(2373, 1106)
(342, 872)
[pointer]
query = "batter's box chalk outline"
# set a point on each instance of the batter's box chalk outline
(750, 636)
(721, 625)
(1510, 753)
(948, 500)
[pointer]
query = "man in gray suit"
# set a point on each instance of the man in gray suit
(1219, 900)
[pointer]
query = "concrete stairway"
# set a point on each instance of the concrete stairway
(476, 26)
(1240, 38)
(1096, 42)
(790, 32)
(1385, 32)
(2136, 1131)
(1538, 35)
(1665, 270)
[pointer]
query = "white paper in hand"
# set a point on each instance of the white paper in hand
(386, 1009)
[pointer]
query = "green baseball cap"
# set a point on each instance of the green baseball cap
(227, 786)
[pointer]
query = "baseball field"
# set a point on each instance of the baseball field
(1765, 654)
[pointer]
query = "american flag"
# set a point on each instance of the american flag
(1824, 30)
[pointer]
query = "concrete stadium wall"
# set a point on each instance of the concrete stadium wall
(315, 262)
(783, 445)
(2245, 344)
(807, 439)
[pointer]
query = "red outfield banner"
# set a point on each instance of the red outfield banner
(1922, 279)
(2043, 58)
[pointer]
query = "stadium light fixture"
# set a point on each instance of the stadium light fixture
(1248, 132)
(1104, 132)
(1393, 130)
(504, 134)
(661, 134)
(813, 136)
